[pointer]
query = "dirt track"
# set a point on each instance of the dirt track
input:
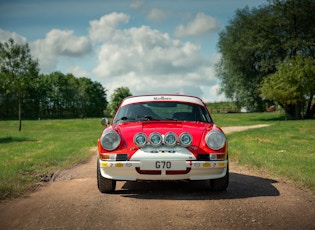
(72, 201)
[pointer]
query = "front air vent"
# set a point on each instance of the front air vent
(203, 157)
(121, 157)
(148, 172)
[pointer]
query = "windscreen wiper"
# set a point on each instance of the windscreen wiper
(172, 119)
(145, 117)
(124, 118)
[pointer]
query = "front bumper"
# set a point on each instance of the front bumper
(133, 171)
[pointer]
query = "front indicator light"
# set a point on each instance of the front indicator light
(219, 156)
(113, 157)
(107, 157)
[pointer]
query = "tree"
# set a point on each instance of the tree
(64, 96)
(92, 98)
(18, 71)
(118, 95)
(292, 86)
(257, 40)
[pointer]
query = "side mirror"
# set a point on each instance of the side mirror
(105, 122)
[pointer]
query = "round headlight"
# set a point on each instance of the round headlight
(140, 139)
(185, 139)
(215, 139)
(170, 139)
(110, 140)
(155, 139)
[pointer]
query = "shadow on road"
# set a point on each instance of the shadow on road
(241, 186)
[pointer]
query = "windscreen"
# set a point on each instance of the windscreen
(162, 111)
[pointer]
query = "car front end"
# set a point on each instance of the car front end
(157, 146)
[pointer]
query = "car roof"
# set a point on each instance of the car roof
(162, 97)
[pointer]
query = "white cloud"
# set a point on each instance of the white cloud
(149, 61)
(141, 58)
(200, 25)
(57, 44)
(105, 28)
(144, 50)
(78, 71)
(156, 14)
(136, 4)
(213, 95)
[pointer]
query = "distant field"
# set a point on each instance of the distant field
(222, 107)
(239, 119)
(286, 149)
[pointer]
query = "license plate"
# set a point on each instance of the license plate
(163, 165)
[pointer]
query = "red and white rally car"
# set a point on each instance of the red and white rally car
(162, 137)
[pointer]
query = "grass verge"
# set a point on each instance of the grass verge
(285, 149)
(41, 148)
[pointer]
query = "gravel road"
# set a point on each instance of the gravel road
(72, 201)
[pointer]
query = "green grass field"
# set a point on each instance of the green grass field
(285, 150)
(41, 148)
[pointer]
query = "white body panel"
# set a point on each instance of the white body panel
(199, 170)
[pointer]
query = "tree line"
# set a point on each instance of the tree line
(268, 55)
(55, 95)
(23, 91)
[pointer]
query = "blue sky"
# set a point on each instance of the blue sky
(162, 46)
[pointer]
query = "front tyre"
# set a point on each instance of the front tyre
(104, 185)
(220, 184)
